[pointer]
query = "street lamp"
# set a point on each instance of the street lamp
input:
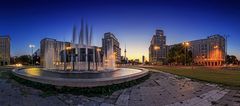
(98, 50)
(156, 47)
(68, 48)
(186, 45)
(32, 47)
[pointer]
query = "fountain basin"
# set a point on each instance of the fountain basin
(82, 79)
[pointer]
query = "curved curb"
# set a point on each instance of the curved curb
(73, 82)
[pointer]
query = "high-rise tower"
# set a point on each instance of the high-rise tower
(108, 41)
(158, 49)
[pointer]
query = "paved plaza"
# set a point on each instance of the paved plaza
(161, 89)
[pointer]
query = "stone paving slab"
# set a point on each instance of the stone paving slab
(204, 99)
(230, 99)
(106, 104)
(123, 99)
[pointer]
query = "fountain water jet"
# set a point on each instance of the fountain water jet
(110, 58)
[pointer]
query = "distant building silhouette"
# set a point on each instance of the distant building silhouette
(4, 50)
(143, 59)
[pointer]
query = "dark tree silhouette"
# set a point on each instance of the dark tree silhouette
(24, 59)
(231, 59)
(177, 55)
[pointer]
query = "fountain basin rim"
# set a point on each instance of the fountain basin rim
(77, 72)
(73, 82)
(98, 79)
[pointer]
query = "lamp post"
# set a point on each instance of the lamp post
(156, 48)
(186, 44)
(32, 47)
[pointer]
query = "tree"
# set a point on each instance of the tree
(231, 59)
(177, 55)
(24, 59)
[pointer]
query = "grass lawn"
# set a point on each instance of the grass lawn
(224, 76)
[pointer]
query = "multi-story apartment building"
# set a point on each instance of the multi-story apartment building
(110, 40)
(209, 52)
(50, 50)
(4, 50)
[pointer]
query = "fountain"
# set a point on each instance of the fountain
(109, 59)
(81, 56)
(79, 64)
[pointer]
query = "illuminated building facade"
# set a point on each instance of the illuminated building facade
(208, 52)
(50, 50)
(158, 48)
(110, 40)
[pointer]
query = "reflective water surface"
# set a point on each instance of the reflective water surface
(112, 74)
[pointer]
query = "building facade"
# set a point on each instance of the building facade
(50, 50)
(54, 53)
(108, 41)
(4, 50)
(158, 48)
(210, 51)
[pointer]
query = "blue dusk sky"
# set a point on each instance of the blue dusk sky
(132, 21)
